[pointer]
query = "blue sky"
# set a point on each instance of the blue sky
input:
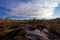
(57, 11)
(24, 9)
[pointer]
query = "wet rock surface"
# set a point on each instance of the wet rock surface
(37, 33)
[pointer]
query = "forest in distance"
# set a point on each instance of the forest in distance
(30, 29)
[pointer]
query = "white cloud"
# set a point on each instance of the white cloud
(35, 8)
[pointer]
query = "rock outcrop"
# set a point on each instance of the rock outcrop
(37, 33)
